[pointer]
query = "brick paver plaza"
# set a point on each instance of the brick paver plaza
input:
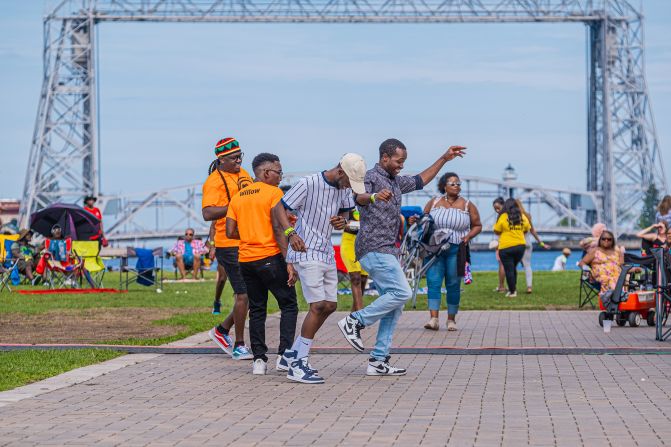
(445, 399)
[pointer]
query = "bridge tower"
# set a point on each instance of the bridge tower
(623, 153)
(63, 160)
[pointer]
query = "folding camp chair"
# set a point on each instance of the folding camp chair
(67, 274)
(8, 265)
(589, 289)
(89, 253)
(148, 270)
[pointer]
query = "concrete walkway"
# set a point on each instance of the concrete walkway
(455, 400)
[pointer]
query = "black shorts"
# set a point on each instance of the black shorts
(227, 257)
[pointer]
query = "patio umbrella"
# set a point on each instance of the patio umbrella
(77, 223)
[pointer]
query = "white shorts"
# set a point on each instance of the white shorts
(319, 281)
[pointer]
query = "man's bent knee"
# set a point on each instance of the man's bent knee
(323, 307)
(400, 293)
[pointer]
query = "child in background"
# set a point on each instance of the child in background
(561, 260)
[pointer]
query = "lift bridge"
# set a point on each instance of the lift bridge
(623, 154)
(563, 213)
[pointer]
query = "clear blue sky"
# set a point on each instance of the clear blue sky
(511, 93)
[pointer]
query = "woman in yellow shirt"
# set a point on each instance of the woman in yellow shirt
(511, 227)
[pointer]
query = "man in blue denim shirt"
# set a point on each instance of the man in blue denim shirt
(376, 249)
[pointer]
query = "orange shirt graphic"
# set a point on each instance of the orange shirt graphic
(251, 210)
(214, 194)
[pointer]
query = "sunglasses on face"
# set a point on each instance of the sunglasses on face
(188, 234)
(453, 183)
(235, 157)
(607, 239)
(280, 173)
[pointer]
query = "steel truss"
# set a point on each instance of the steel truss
(624, 157)
(557, 212)
(167, 212)
(162, 214)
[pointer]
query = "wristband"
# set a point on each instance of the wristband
(372, 198)
(288, 231)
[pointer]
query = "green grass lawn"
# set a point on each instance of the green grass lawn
(19, 368)
(194, 300)
(552, 290)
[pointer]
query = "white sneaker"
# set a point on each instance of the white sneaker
(351, 330)
(259, 368)
(383, 368)
(511, 294)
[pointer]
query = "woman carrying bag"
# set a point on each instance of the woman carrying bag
(459, 218)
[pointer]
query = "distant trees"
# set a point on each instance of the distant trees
(649, 207)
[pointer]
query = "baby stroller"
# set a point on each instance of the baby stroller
(420, 248)
(633, 298)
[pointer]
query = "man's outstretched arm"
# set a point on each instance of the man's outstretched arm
(432, 171)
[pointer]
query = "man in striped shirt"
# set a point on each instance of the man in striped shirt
(322, 201)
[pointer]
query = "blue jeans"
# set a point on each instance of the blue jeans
(387, 308)
(445, 268)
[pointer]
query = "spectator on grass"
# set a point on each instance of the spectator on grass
(23, 251)
(90, 206)
(497, 204)
(58, 247)
(529, 237)
(605, 261)
(511, 226)
(561, 260)
(187, 252)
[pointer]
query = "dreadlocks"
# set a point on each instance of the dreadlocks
(213, 166)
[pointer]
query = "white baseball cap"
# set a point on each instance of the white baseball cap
(355, 167)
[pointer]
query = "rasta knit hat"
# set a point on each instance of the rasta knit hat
(227, 146)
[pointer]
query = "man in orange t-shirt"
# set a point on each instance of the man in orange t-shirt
(226, 178)
(255, 216)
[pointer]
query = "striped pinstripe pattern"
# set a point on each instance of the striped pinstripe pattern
(457, 220)
(315, 201)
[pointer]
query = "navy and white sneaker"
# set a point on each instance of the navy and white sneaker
(383, 368)
(222, 340)
(300, 371)
(284, 360)
(351, 329)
